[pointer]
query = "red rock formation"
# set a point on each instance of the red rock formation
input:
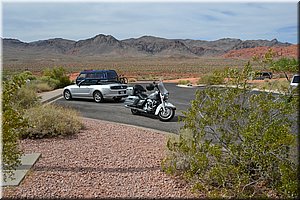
(290, 51)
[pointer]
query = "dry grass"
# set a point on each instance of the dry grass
(139, 68)
(50, 121)
(280, 84)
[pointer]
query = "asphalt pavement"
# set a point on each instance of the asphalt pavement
(116, 112)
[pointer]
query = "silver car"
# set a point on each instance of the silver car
(96, 89)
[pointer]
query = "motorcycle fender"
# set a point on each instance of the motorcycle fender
(167, 104)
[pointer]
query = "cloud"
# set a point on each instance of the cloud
(287, 29)
(208, 21)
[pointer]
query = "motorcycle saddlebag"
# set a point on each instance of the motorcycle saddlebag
(131, 100)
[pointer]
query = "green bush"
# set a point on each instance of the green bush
(56, 77)
(53, 83)
(25, 98)
(39, 86)
(214, 78)
(285, 65)
(237, 144)
(50, 121)
(13, 125)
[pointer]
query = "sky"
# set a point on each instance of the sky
(77, 20)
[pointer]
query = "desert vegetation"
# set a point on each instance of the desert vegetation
(236, 144)
(140, 69)
(23, 116)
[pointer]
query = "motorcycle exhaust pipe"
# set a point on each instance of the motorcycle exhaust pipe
(138, 109)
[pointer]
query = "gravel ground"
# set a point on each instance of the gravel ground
(105, 160)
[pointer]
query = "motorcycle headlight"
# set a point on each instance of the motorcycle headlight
(166, 96)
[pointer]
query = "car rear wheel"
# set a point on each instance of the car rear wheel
(98, 97)
(67, 95)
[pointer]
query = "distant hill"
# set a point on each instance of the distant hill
(108, 46)
(286, 51)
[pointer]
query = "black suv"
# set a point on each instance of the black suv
(101, 75)
(263, 75)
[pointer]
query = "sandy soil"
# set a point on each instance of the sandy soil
(106, 160)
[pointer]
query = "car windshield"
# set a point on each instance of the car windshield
(162, 88)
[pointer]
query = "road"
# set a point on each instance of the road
(116, 112)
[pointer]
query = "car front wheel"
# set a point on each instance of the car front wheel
(67, 95)
(98, 97)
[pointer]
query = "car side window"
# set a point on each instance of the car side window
(91, 75)
(100, 75)
(90, 82)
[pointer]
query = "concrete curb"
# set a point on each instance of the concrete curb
(27, 161)
(223, 86)
(51, 99)
(47, 97)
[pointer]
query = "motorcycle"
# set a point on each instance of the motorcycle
(155, 103)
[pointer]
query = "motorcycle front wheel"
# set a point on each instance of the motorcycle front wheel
(166, 115)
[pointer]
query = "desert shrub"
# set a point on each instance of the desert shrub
(275, 85)
(214, 78)
(286, 65)
(148, 77)
(51, 121)
(183, 82)
(40, 86)
(13, 125)
(56, 77)
(132, 80)
(237, 144)
(53, 83)
(25, 98)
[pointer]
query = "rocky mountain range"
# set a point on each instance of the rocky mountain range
(107, 45)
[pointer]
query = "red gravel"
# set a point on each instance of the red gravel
(105, 160)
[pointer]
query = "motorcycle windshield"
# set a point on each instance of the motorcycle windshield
(162, 88)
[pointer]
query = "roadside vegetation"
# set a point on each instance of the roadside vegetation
(238, 145)
(23, 115)
(141, 69)
(233, 143)
(212, 78)
(184, 82)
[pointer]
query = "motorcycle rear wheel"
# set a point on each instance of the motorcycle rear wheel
(166, 115)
